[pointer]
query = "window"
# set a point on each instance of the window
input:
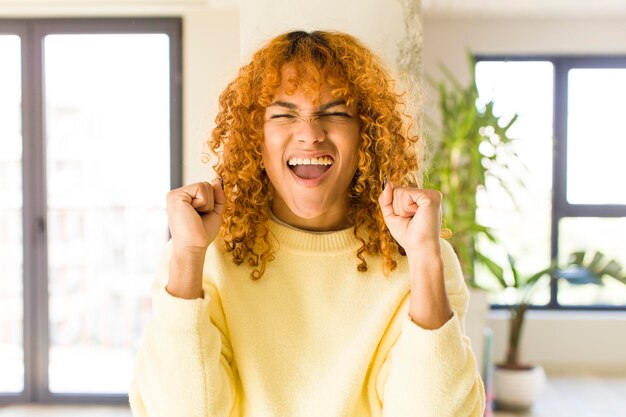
(97, 114)
(571, 141)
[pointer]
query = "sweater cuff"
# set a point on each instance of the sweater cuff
(432, 345)
(179, 314)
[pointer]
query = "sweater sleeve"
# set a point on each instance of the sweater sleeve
(433, 373)
(184, 366)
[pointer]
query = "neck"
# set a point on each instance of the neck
(329, 221)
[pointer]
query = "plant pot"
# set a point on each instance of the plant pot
(517, 389)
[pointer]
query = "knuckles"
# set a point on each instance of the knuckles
(202, 195)
(434, 196)
(426, 195)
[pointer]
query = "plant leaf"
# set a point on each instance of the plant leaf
(530, 282)
(450, 77)
(576, 258)
(496, 270)
(578, 275)
(612, 269)
(514, 270)
(594, 266)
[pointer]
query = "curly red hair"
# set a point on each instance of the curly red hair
(387, 149)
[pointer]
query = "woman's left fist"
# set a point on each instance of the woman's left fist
(412, 215)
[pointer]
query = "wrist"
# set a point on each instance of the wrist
(185, 274)
(425, 247)
(188, 252)
(425, 259)
(429, 306)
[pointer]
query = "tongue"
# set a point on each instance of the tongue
(310, 171)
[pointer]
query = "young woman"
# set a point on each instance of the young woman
(310, 278)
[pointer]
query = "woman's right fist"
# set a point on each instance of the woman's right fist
(194, 213)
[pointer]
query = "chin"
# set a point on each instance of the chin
(311, 204)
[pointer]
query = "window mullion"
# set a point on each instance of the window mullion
(559, 169)
(593, 210)
(176, 116)
(35, 244)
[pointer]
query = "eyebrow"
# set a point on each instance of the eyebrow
(323, 107)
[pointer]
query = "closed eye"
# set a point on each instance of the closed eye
(334, 114)
(283, 116)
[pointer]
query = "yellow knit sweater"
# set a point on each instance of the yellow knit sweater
(312, 337)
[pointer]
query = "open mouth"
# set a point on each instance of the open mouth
(310, 168)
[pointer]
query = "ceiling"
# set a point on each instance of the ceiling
(524, 8)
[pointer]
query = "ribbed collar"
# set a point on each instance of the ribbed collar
(292, 239)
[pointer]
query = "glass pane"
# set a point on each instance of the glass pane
(11, 243)
(525, 89)
(107, 125)
(596, 142)
(606, 235)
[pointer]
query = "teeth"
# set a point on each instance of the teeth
(324, 160)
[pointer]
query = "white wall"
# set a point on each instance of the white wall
(446, 40)
(561, 341)
(378, 23)
(211, 42)
(568, 342)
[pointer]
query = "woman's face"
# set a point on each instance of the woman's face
(310, 156)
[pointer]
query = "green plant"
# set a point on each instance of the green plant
(469, 147)
(583, 268)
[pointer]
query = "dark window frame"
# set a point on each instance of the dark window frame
(35, 285)
(561, 208)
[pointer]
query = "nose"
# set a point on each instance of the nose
(310, 131)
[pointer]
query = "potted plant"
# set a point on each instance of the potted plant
(517, 384)
(469, 144)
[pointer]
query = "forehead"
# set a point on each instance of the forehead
(308, 82)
